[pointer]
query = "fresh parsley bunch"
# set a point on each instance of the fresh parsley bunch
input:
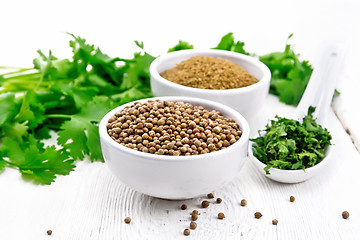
(68, 97)
(289, 144)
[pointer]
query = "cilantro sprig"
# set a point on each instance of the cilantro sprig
(289, 144)
(68, 97)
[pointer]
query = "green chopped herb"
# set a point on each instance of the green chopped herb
(289, 144)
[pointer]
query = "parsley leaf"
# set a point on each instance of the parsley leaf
(79, 135)
(36, 162)
(182, 45)
(227, 42)
(289, 75)
(7, 106)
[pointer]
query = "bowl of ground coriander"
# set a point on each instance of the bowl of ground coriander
(174, 147)
(237, 80)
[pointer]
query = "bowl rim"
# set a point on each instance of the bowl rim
(244, 139)
(264, 81)
(328, 152)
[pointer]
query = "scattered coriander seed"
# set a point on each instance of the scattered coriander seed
(193, 225)
(218, 200)
(243, 202)
(194, 217)
(345, 214)
(205, 204)
(127, 220)
(183, 207)
(210, 195)
(186, 232)
(292, 198)
(49, 232)
(275, 221)
(196, 212)
(257, 215)
(221, 215)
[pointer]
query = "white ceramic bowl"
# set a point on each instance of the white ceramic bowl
(176, 177)
(247, 100)
(291, 176)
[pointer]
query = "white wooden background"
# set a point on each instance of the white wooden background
(91, 203)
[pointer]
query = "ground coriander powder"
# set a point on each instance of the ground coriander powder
(209, 73)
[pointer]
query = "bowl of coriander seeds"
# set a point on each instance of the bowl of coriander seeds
(174, 147)
(234, 79)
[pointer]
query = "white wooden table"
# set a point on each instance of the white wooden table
(91, 203)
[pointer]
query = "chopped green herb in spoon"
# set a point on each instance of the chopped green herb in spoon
(289, 144)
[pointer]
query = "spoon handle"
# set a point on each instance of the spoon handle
(322, 83)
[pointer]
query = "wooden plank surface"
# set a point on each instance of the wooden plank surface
(91, 203)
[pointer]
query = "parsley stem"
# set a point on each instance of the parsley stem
(33, 75)
(8, 162)
(58, 116)
(19, 68)
(21, 72)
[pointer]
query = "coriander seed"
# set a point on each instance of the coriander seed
(218, 200)
(175, 129)
(196, 212)
(345, 214)
(275, 221)
(243, 202)
(186, 232)
(193, 225)
(49, 232)
(194, 217)
(221, 215)
(205, 204)
(257, 215)
(292, 198)
(127, 220)
(184, 206)
(210, 195)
